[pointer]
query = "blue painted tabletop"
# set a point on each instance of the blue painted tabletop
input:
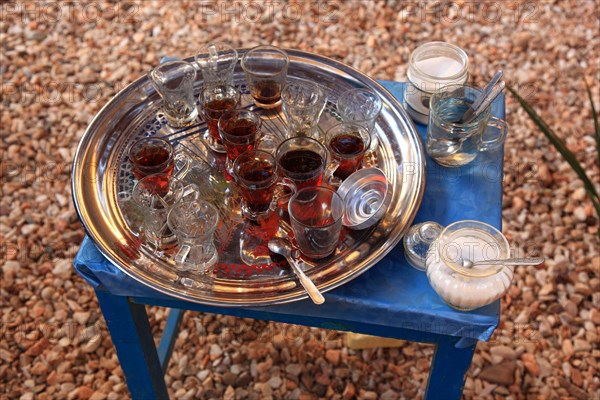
(391, 293)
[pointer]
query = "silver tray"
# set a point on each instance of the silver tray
(245, 275)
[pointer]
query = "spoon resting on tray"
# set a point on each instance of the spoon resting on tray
(283, 247)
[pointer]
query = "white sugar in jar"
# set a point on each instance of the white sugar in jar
(432, 66)
(468, 288)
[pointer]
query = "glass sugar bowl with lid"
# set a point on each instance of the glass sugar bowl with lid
(461, 287)
(432, 66)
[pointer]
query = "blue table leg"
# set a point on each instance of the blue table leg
(167, 340)
(449, 368)
(132, 337)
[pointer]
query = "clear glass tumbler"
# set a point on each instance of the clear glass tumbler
(266, 70)
(154, 195)
(347, 144)
(316, 217)
(174, 81)
(217, 62)
(360, 106)
(303, 104)
(194, 223)
(453, 144)
(216, 100)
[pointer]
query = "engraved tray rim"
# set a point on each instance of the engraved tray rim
(93, 200)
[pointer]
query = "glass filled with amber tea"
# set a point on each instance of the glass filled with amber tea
(266, 71)
(303, 160)
(347, 144)
(215, 100)
(239, 131)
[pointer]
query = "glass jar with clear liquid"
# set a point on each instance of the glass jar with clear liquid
(451, 143)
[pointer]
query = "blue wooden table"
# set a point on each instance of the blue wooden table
(391, 299)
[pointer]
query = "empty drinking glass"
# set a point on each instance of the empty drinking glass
(316, 217)
(153, 196)
(194, 223)
(266, 69)
(217, 62)
(303, 103)
(362, 107)
(174, 81)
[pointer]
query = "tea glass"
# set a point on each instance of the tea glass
(303, 103)
(215, 100)
(453, 144)
(174, 81)
(347, 143)
(255, 173)
(217, 62)
(239, 131)
(194, 223)
(154, 195)
(152, 155)
(316, 217)
(303, 160)
(360, 106)
(266, 70)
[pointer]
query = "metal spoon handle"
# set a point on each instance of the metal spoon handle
(512, 261)
(496, 90)
(487, 89)
(309, 285)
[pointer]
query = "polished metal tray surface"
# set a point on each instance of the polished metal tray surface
(246, 274)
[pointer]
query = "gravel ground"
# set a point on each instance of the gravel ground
(62, 61)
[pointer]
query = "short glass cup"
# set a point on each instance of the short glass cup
(217, 62)
(255, 173)
(360, 106)
(454, 144)
(154, 195)
(303, 103)
(239, 131)
(266, 70)
(174, 81)
(153, 155)
(215, 100)
(303, 160)
(194, 223)
(316, 214)
(347, 143)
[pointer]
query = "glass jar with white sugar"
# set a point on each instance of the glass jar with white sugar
(468, 288)
(431, 66)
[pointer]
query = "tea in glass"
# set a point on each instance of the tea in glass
(316, 217)
(347, 144)
(266, 70)
(303, 160)
(215, 100)
(239, 131)
(150, 156)
(255, 173)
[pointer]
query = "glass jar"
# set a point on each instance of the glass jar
(468, 288)
(431, 66)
